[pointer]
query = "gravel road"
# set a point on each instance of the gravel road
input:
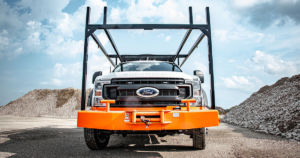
(55, 137)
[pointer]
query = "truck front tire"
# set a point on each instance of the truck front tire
(199, 138)
(95, 140)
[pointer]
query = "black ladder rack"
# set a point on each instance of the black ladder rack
(91, 28)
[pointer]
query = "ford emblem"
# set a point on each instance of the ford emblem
(147, 92)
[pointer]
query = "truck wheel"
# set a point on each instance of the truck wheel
(199, 138)
(94, 139)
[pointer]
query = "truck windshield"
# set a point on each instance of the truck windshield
(147, 66)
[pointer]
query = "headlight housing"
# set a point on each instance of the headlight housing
(98, 87)
(196, 90)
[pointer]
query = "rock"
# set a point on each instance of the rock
(272, 109)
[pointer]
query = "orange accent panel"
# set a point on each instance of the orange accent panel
(162, 116)
(114, 120)
(168, 108)
(107, 102)
(98, 93)
(133, 116)
(188, 101)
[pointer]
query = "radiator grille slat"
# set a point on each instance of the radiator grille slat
(148, 81)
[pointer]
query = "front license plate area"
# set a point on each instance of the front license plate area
(175, 114)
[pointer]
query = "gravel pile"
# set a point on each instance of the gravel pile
(273, 109)
(221, 110)
(46, 102)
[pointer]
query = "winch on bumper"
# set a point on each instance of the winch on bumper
(154, 119)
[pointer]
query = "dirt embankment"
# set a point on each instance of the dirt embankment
(273, 109)
(221, 110)
(46, 102)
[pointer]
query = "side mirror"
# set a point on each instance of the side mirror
(96, 74)
(200, 75)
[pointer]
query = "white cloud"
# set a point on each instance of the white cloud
(65, 74)
(270, 38)
(44, 33)
(97, 63)
(15, 18)
(274, 65)
(75, 69)
(69, 48)
(248, 3)
(53, 82)
(75, 21)
(201, 67)
(167, 11)
(116, 16)
(53, 33)
(65, 25)
(138, 32)
(161, 35)
(56, 82)
(59, 70)
(221, 35)
(242, 83)
(242, 36)
(168, 38)
(103, 38)
(3, 39)
(242, 67)
(200, 19)
(16, 52)
(231, 61)
(93, 47)
(69, 74)
(266, 13)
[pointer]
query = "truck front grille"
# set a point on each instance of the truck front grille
(133, 92)
(123, 91)
(147, 103)
(113, 93)
(148, 81)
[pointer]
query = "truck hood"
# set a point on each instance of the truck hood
(148, 74)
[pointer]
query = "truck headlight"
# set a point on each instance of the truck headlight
(98, 92)
(196, 90)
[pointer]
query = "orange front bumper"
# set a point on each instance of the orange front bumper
(128, 119)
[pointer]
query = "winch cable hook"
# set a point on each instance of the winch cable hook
(143, 119)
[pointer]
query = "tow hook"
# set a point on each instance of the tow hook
(143, 119)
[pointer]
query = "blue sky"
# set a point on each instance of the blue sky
(255, 42)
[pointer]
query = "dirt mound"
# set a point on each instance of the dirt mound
(272, 109)
(221, 110)
(46, 102)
